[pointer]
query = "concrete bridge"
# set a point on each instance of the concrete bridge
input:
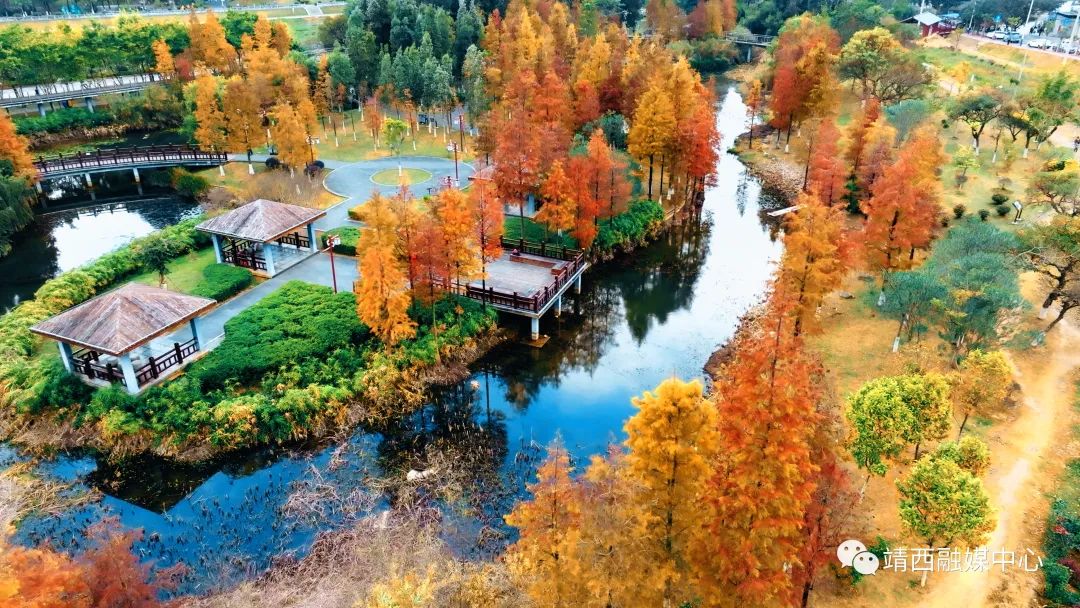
(122, 159)
(749, 41)
(87, 90)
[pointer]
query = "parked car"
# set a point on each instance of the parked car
(997, 35)
(1014, 38)
(1039, 43)
(1068, 48)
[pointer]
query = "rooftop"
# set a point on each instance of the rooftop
(261, 220)
(925, 18)
(123, 319)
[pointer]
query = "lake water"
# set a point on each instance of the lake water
(638, 320)
(73, 230)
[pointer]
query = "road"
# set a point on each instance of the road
(310, 10)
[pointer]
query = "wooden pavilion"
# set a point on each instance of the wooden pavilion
(108, 338)
(264, 236)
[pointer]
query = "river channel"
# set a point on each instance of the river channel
(639, 319)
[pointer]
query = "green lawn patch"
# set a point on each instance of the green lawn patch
(411, 176)
(534, 232)
(185, 272)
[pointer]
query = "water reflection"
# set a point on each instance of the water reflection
(637, 321)
(62, 239)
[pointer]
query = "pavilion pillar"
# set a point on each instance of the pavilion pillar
(41, 109)
(194, 323)
(577, 284)
(130, 381)
(558, 306)
(534, 328)
(311, 238)
(217, 246)
(90, 104)
(67, 356)
(268, 254)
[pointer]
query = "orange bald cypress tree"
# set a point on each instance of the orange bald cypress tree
(209, 119)
(827, 173)
(164, 65)
(902, 212)
(879, 141)
(488, 224)
(763, 479)
(290, 136)
(546, 554)
(382, 300)
(559, 210)
(208, 43)
(14, 148)
(453, 209)
(672, 441)
(856, 135)
(811, 265)
(516, 155)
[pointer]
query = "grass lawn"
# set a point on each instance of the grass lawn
(534, 232)
(390, 177)
(352, 147)
(184, 272)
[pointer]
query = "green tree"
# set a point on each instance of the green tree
(976, 110)
(1054, 103)
(1053, 251)
(969, 452)
(910, 298)
(927, 396)
(945, 505)
(155, 254)
(880, 422)
(393, 132)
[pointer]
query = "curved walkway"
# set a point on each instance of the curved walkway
(353, 181)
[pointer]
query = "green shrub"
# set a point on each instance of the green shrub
(984, 214)
(22, 377)
(222, 281)
(959, 210)
(999, 198)
(349, 237)
(297, 321)
(188, 184)
(1002, 210)
(354, 212)
(63, 120)
(631, 228)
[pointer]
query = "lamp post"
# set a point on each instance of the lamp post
(331, 242)
(453, 147)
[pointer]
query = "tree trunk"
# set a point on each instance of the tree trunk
(1065, 307)
(962, 423)
(650, 175)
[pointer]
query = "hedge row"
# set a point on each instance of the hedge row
(289, 368)
(63, 120)
(349, 236)
(22, 379)
(222, 281)
(632, 228)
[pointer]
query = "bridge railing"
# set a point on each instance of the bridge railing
(118, 157)
(753, 39)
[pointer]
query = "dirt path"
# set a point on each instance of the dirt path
(1027, 461)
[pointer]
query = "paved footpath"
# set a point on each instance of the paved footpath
(351, 180)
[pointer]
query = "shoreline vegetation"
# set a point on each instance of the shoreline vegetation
(57, 412)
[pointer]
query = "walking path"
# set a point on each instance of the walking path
(351, 180)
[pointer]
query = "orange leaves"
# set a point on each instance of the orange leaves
(559, 210)
(901, 214)
(805, 56)
(811, 265)
(13, 148)
(289, 135)
(208, 44)
(764, 475)
(210, 120)
(163, 59)
(827, 173)
(104, 576)
(545, 555)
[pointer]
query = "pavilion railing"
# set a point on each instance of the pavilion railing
(295, 239)
(536, 302)
(86, 363)
(124, 157)
(173, 357)
(243, 255)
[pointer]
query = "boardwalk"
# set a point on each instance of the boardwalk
(147, 157)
